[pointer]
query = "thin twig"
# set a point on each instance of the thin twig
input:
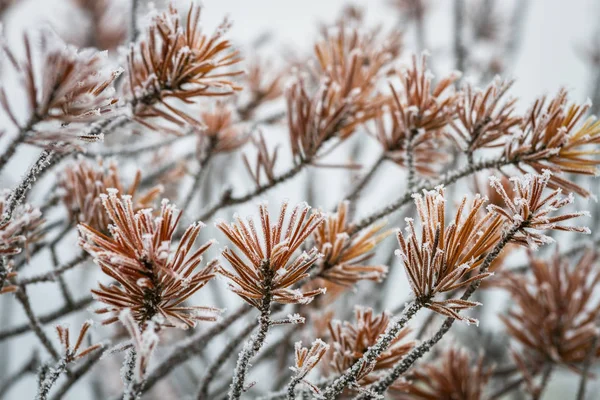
(544, 382)
(447, 180)
(202, 165)
(133, 21)
(460, 50)
(586, 368)
(358, 188)
(523, 268)
(34, 322)
(151, 178)
(507, 388)
(29, 367)
(51, 276)
(127, 152)
(68, 298)
(227, 352)
(10, 150)
(47, 318)
(227, 200)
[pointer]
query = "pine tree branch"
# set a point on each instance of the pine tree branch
(253, 346)
(350, 376)
(51, 276)
(227, 200)
(447, 180)
(384, 383)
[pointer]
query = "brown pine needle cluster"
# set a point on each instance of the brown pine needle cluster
(264, 82)
(485, 117)
(556, 136)
(421, 106)
(154, 280)
(420, 111)
(220, 133)
(453, 375)
(263, 169)
(271, 265)
(75, 87)
(345, 255)
(446, 257)
(316, 119)
(351, 64)
(556, 310)
(531, 207)
(82, 183)
(356, 58)
(73, 353)
(349, 341)
(175, 60)
(305, 360)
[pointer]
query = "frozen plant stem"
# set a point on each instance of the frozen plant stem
(349, 377)
(203, 161)
(3, 272)
(48, 378)
(410, 160)
(544, 382)
(446, 180)
(60, 392)
(254, 345)
(291, 389)
(191, 347)
(227, 352)
(127, 373)
(586, 368)
(356, 191)
(227, 200)
(19, 194)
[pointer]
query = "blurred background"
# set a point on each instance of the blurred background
(543, 44)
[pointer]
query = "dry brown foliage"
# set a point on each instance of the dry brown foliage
(154, 280)
(271, 257)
